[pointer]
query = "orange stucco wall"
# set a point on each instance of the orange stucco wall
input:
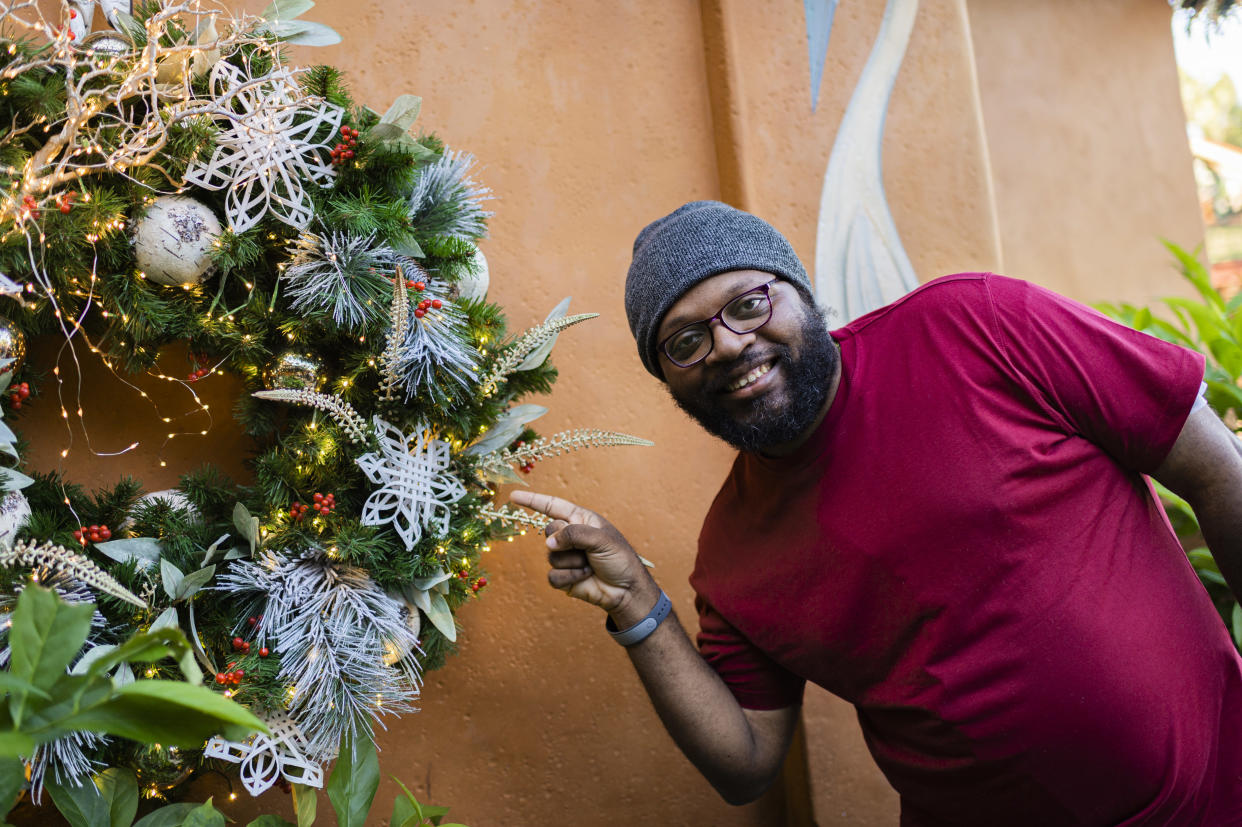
(1042, 137)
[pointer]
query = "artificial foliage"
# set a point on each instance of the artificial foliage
(173, 180)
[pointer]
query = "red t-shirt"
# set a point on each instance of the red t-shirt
(966, 550)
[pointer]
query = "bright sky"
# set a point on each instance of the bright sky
(1205, 53)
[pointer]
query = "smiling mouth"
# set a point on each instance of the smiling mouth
(749, 378)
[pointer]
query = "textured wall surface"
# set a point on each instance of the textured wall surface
(1057, 123)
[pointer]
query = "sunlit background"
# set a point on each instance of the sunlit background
(1210, 58)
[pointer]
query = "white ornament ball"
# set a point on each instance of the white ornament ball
(14, 512)
(172, 242)
(169, 495)
(473, 285)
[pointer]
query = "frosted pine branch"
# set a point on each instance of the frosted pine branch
(60, 559)
(334, 406)
(390, 359)
(558, 444)
(511, 515)
(523, 345)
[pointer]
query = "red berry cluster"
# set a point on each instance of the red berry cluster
(31, 206)
(478, 584)
(325, 504)
(203, 368)
(19, 394)
(254, 621)
(65, 201)
(240, 645)
(233, 676)
(297, 511)
(93, 534)
(530, 464)
(344, 150)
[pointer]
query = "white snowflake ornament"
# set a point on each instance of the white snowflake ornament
(265, 759)
(267, 150)
(416, 487)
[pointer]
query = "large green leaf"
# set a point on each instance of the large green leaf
(205, 815)
(286, 9)
(194, 581)
(144, 551)
(169, 712)
(46, 635)
(152, 645)
(15, 744)
(119, 788)
(12, 779)
(403, 112)
(247, 526)
(171, 816)
(270, 821)
(11, 683)
(82, 806)
(354, 780)
(305, 803)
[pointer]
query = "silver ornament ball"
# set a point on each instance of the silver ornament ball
(173, 241)
(474, 284)
(12, 345)
(295, 370)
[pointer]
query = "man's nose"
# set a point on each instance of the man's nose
(727, 345)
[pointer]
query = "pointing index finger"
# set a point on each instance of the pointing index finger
(554, 507)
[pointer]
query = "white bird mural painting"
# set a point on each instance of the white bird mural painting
(860, 263)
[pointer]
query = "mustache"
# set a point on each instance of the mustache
(722, 375)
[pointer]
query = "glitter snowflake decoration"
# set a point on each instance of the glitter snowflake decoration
(416, 488)
(271, 144)
(265, 759)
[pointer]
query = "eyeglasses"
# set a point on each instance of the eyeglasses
(744, 313)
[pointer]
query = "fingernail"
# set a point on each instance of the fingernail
(551, 541)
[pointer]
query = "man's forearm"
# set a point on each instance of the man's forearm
(702, 715)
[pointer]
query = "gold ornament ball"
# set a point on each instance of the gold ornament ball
(12, 345)
(295, 370)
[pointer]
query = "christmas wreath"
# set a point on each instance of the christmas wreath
(172, 180)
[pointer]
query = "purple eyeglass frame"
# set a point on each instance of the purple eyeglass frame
(766, 288)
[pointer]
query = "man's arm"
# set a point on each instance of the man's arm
(740, 751)
(1204, 467)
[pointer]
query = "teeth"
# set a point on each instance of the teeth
(749, 379)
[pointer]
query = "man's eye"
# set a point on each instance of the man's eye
(684, 344)
(748, 306)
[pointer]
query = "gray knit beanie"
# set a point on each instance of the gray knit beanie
(694, 242)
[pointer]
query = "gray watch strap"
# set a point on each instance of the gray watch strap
(643, 628)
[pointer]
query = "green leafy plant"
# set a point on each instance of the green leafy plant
(1212, 326)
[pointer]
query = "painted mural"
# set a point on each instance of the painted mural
(860, 263)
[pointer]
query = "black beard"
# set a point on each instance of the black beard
(769, 423)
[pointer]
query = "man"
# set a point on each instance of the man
(939, 514)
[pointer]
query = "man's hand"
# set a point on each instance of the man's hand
(591, 560)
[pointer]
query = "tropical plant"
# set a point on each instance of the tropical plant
(1212, 326)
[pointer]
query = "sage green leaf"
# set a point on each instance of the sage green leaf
(305, 803)
(354, 780)
(169, 712)
(502, 475)
(15, 745)
(404, 814)
(82, 806)
(509, 426)
(11, 480)
(126, 23)
(171, 576)
(403, 112)
(119, 788)
(442, 617)
(304, 33)
(540, 354)
(194, 581)
(124, 676)
(154, 644)
(171, 816)
(1235, 621)
(286, 9)
(407, 246)
(166, 620)
(144, 551)
(270, 821)
(247, 526)
(204, 815)
(45, 636)
(12, 779)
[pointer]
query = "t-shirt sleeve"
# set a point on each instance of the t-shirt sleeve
(1126, 391)
(754, 679)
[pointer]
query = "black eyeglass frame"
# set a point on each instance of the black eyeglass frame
(765, 288)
